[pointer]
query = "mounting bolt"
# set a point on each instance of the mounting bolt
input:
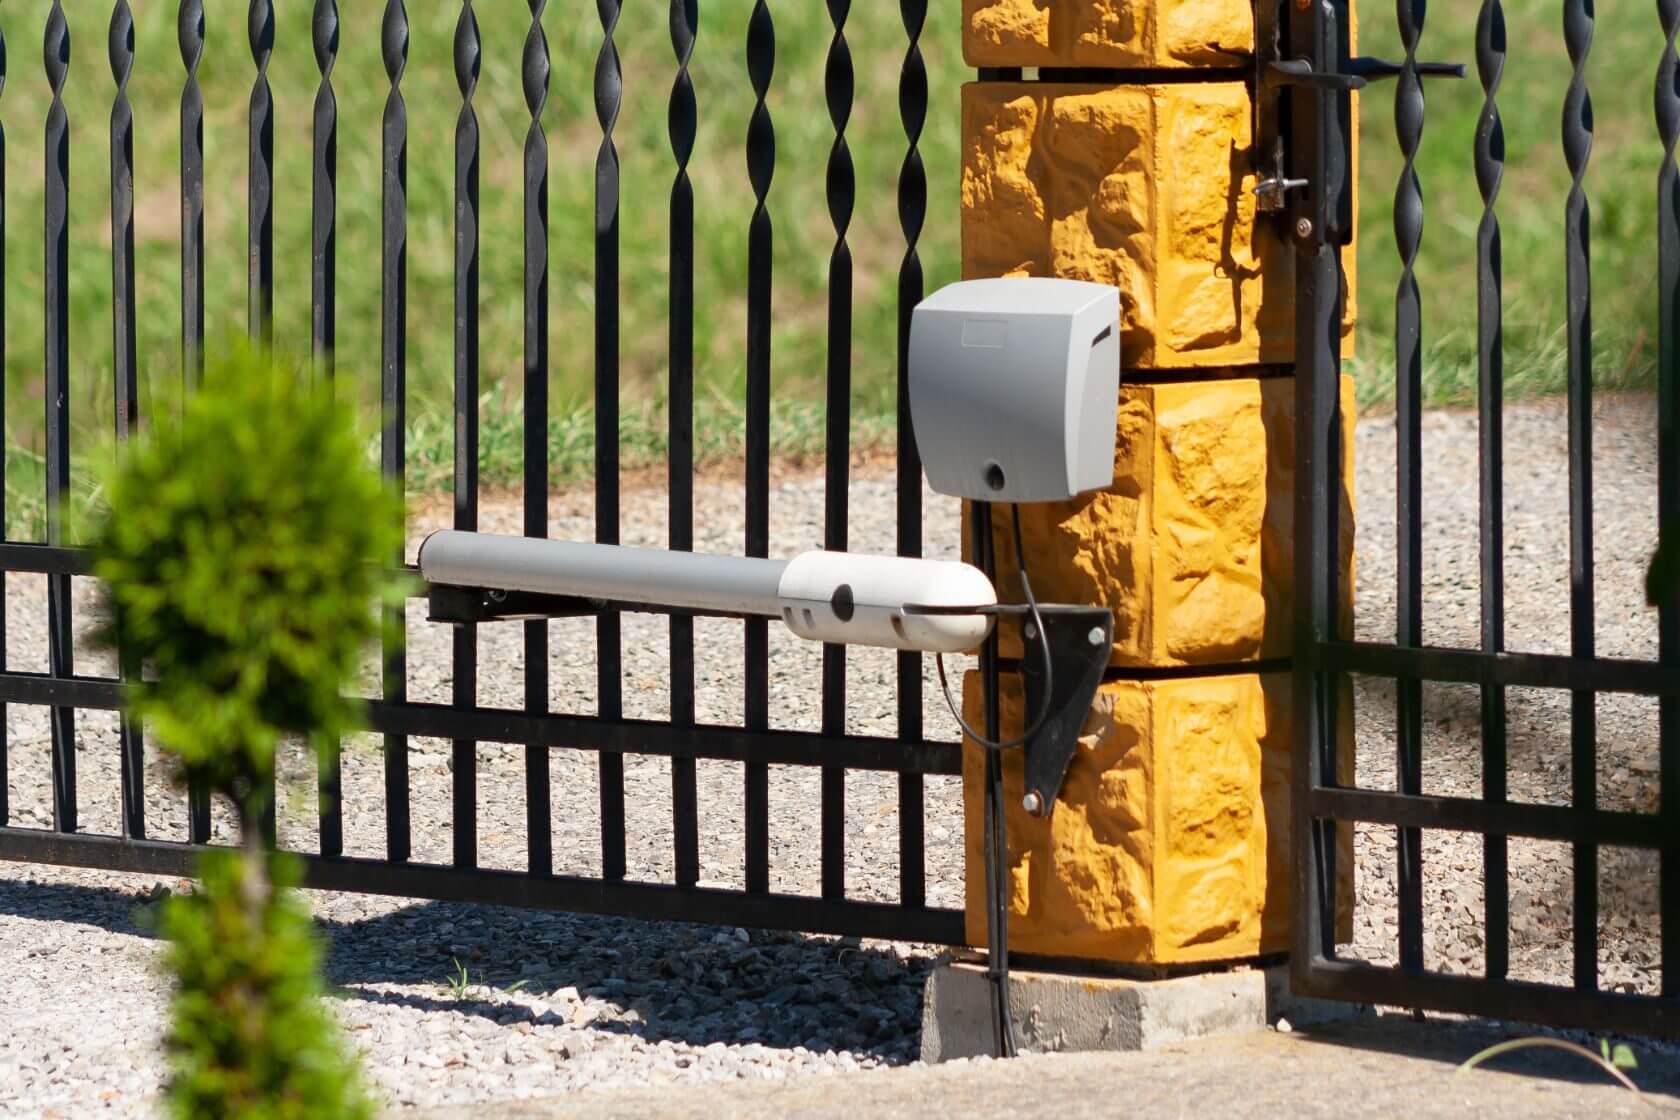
(1033, 802)
(1304, 228)
(1030, 631)
(1095, 637)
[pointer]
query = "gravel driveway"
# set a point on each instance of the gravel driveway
(549, 1002)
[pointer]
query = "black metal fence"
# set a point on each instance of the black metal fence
(909, 755)
(1323, 804)
(1315, 119)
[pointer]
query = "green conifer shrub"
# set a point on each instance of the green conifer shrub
(243, 551)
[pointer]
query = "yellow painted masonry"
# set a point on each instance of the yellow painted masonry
(1147, 187)
(1107, 33)
(1170, 842)
(1191, 545)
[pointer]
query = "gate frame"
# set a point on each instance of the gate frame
(1323, 658)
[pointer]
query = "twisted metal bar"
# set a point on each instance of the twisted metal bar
(329, 779)
(393, 392)
(1490, 330)
(842, 191)
(259, 285)
(120, 44)
(1668, 471)
(189, 30)
(56, 57)
(535, 75)
(609, 97)
(125, 387)
(1408, 314)
(1577, 150)
(683, 122)
(190, 37)
(468, 57)
(324, 225)
(912, 212)
(761, 169)
(260, 281)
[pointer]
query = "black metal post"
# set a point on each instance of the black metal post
(125, 379)
(464, 751)
(761, 168)
(684, 126)
(56, 289)
(535, 72)
(393, 395)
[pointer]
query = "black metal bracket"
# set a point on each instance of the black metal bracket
(1276, 75)
(1059, 689)
(472, 605)
(1079, 640)
(462, 605)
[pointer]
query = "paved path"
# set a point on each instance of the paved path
(1394, 1067)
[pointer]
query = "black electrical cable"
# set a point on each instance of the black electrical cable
(1003, 1021)
(995, 825)
(1043, 713)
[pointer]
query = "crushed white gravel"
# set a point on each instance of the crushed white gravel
(550, 1002)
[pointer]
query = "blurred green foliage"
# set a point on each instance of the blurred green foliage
(243, 550)
(242, 561)
(249, 1036)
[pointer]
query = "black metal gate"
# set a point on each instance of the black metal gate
(1314, 35)
(909, 754)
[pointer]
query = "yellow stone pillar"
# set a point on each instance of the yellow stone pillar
(1170, 842)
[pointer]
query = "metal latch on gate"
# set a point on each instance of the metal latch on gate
(1277, 71)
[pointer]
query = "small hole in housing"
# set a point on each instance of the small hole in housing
(994, 476)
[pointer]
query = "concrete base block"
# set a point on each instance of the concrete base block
(1058, 1012)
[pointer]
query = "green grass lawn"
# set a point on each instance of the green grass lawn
(1621, 181)
(804, 233)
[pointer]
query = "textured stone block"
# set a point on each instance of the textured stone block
(1170, 843)
(1147, 187)
(1191, 547)
(1107, 33)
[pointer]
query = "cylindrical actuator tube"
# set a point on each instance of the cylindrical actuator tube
(824, 596)
(689, 580)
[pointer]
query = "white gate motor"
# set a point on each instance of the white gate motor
(1014, 387)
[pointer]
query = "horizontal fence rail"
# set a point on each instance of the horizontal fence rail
(684, 740)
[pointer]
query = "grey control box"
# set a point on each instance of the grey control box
(1014, 388)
